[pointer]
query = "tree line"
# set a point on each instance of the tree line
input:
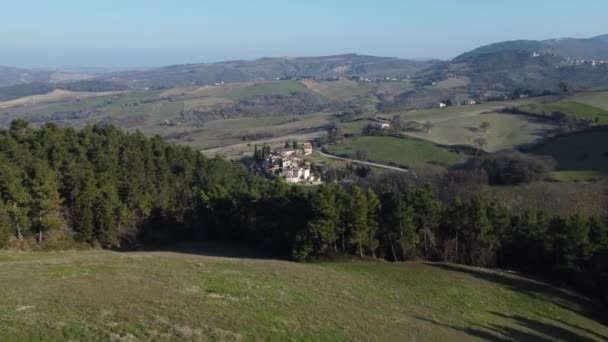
(101, 187)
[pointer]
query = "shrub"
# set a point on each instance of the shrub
(511, 167)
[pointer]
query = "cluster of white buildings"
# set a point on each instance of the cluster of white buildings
(285, 163)
(572, 61)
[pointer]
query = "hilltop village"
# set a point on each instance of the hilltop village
(289, 162)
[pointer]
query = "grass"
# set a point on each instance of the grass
(230, 131)
(505, 132)
(101, 295)
(341, 90)
(579, 154)
(597, 99)
(569, 176)
(268, 88)
(580, 110)
(354, 127)
(386, 150)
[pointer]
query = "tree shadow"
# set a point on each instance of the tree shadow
(521, 328)
(576, 327)
(210, 249)
(536, 289)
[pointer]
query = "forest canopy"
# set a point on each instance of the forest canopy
(101, 187)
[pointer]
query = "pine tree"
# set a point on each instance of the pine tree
(427, 214)
(373, 212)
(46, 200)
(5, 224)
(356, 219)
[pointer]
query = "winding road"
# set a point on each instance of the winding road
(394, 168)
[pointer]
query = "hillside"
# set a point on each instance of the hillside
(191, 296)
(10, 76)
(573, 48)
(603, 38)
(269, 69)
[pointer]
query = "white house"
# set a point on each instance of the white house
(307, 147)
(286, 152)
(382, 125)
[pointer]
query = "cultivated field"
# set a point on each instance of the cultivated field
(341, 90)
(391, 150)
(268, 88)
(143, 296)
(596, 99)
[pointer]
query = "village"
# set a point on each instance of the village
(289, 163)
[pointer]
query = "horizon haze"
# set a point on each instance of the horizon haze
(138, 34)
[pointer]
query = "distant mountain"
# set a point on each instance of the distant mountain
(268, 69)
(603, 38)
(11, 76)
(20, 90)
(529, 65)
(496, 69)
(573, 48)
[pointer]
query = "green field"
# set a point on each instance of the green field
(580, 110)
(269, 88)
(353, 127)
(162, 296)
(579, 154)
(597, 99)
(230, 131)
(404, 152)
(505, 132)
(568, 176)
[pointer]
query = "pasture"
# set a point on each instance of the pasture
(163, 296)
(505, 131)
(341, 90)
(577, 109)
(268, 88)
(579, 154)
(391, 150)
(598, 99)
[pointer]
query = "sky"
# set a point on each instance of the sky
(137, 33)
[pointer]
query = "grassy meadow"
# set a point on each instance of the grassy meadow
(598, 99)
(162, 296)
(505, 132)
(404, 152)
(578, 109)
(268, 88)
(579, 156)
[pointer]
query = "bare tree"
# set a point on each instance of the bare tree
(428, 126)
(485, 126)
(480, 143)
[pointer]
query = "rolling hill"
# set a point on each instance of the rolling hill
(603, 38)
(573, 48)
(529, 65)
(206, 294)
(269, 69)
(11, 76)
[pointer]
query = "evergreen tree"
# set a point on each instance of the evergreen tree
(373, 212)
(356, 219)
(46, 201)
(427, 214)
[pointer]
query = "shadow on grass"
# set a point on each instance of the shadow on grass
(535, 289)
(212, 249)
(524, 329)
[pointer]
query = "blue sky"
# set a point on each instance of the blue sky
(132, 33)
